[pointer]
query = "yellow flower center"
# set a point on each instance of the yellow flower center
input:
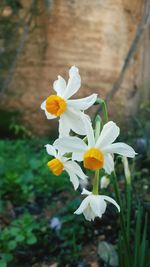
(56, 166)
(55, 105)
(93, 159)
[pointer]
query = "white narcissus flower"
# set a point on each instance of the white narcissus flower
(94, 205)
(69, 111)
(60, 163)
(97, 154)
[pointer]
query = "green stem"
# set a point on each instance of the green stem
(96, 183)
(96, 177)
(97, 127)
(138, 227)
(105, 112)
(129, 196)
(122, 223)
(103, 107)
(128, 182)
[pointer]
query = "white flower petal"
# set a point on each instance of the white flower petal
(86, 192)
(51, 150)
(111, 200)
(59, 86)
(64, 127)
(108, 163)
(78, 156)
(83, 103)
(75, 120)
(121, 149)
(98, 205)
(108, 134)
(74, 82)
(83, 205)
(74, 167)
(94, 206)
(70, 144)
(89, 131)
(89, 214)
(73, 178)
(49, 116)
(43, 105)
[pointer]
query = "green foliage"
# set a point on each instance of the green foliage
(27, 183)
(71, 237)
(15, 4)
(19, 130)
(23, 170)
(11, 126)
(133, 244)
(36, 196)
(19, 232)
(139, 123)
(9, 35)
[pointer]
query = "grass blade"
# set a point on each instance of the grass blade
(137, 236)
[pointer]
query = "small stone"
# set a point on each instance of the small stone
(53, 265)
(94, 264)
(7, 11)
(107, 251)
(145, 187)
(82, 264)
(102, 237)
(109, 227)
(140, 145)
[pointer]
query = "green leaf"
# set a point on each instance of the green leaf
(12, 245)
(2, 166)
(144, 245)
(3, 263)
(137, 236)
(20, 238)
(107, 253)
(14, 230)
(31, 240)
(35, 164)
(7, 257)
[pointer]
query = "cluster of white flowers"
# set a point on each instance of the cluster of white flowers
(95, 153)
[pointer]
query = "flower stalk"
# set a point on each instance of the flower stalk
(96, 176)
(96, 183)
(128, 181)
(103, 106)
(122, 220)
(98, 123)
(105, 112)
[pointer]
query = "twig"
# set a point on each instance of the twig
(19, 49)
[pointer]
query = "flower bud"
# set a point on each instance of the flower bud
(105, 181)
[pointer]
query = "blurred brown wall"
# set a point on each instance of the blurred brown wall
(93, 35)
